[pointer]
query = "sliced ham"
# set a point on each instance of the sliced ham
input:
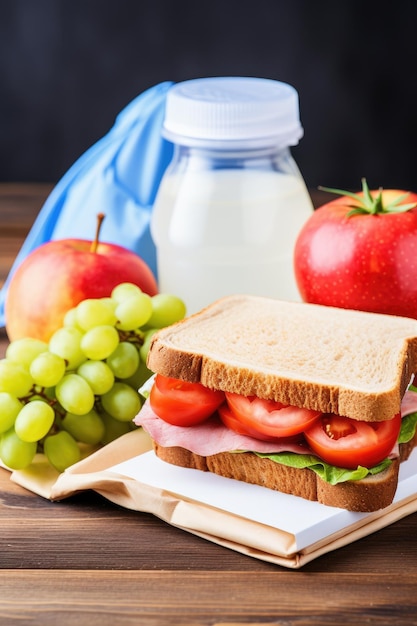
(212, 437)
(409, 403)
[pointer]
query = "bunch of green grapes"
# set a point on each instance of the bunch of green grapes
(82, 386)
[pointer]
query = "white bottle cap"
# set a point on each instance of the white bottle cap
(228, 112)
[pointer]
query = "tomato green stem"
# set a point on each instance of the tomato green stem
(372, 205)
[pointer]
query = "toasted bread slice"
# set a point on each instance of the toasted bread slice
(333, 360)
(369, 494)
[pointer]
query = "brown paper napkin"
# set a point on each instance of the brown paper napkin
(242, 535)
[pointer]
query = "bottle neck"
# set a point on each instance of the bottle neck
(267, 158)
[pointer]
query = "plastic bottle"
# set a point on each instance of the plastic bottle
(232, 201)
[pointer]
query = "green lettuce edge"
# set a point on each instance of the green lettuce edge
(408, 428)
(332, 474)
(329, 473)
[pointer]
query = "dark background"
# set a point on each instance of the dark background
(67, 67)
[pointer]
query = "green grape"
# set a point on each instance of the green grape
(49, 394)
(61, 450)
(87, 428)
(121, 402)
(14, 379)
(98, 343)
(94, 312)
(123, 291)
(124, 361)
(47, 369)
(133, 312)
(23, 351)
(34, 421)
(111, 304)
(14, 452)
(66, 343)
(10, 407)
(139, 377)
(98, 374)
(113, 428)
(167, 309)
(75, 394)
(70, 318)
(144, 349)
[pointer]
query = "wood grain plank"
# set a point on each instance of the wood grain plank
(187, 598)
(20, 204)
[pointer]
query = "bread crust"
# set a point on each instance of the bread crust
(332, 360)
(372, 493)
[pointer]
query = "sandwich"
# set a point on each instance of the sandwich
(308, 400)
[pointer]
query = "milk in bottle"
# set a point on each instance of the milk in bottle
(232, 201)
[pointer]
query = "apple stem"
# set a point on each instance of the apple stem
(94, 244)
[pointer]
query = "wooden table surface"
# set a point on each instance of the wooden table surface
(87, 561)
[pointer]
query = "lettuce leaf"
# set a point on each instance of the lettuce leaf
(327, 472)
(408, 428)
(145, 389)
(335, 475)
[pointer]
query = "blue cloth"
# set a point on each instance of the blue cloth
(119, 176)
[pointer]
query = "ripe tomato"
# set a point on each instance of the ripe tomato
(365, 258)
(348, 443)
(233, 423)
(269, 418)
(181, 403)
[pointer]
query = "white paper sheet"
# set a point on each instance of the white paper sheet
(309, 522)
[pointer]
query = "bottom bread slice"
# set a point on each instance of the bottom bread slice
(369, 494)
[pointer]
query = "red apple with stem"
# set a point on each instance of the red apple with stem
(57, 275)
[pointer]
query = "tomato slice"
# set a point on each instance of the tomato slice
(269, 418)
(182, 403)
(345, 442)
(229, 420)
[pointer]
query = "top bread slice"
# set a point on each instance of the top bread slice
(332, 360)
